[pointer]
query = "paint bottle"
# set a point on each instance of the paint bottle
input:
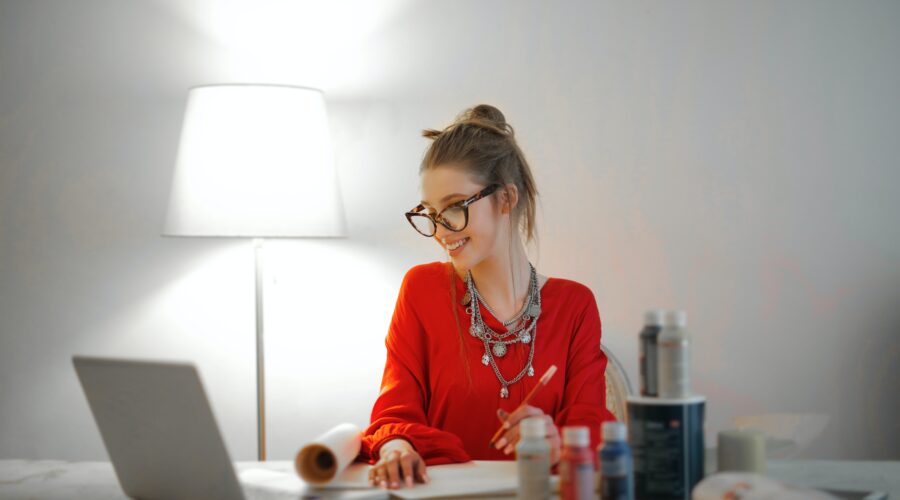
(674, 357)
(533, 460)
(616, 475)
(653, 321)
(576, 465)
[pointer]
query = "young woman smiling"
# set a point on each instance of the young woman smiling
(470, 337)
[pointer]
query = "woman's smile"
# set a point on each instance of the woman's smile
(456, 247)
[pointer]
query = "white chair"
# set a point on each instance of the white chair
(618, 387)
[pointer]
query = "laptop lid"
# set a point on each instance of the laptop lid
(158, 429)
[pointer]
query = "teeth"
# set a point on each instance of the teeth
(457, 244)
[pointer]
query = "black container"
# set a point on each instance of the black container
(648, 359)
(666, 437)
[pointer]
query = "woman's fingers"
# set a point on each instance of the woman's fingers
(406, 467)
(393, 469)
(378, 475)
(553, 438)
(397, 468)
(508, 442)
(523, 412)
(421, 470)
(512, 438)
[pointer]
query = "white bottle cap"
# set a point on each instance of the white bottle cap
(533, 427)
(676, 319)
(578, 435)
(614, 431)
(654, 317)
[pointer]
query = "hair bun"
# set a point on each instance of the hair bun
(488, 115)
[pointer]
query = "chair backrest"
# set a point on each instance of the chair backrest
(618, 387)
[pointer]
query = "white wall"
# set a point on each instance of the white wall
(734, 159)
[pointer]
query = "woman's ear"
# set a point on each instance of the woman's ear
(509, 198)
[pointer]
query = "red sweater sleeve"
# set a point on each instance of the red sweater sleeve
(584, 396)
(399, 411)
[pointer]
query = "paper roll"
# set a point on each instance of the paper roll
(328, 455)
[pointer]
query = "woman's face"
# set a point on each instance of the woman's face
(444, 185)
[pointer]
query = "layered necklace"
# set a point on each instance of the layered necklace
(522, 328)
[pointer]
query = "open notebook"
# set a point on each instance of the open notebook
(478, 478)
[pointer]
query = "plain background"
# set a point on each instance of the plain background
(735, 159)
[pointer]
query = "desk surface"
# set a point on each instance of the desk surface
(55, 479)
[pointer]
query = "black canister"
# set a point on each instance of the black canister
(653, 320)
(666, 437)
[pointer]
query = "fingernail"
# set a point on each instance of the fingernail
(506, 425)
(426, 478)
(395, 485)
(409, 481)
(508, 449)
(383, 484)
(500, 443)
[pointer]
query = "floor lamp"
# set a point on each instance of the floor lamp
(255, 161)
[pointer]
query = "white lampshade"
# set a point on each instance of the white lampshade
(255, 161)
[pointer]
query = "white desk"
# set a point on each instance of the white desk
(54, 479)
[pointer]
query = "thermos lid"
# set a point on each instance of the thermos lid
(577, 435)
(533, 427)
(654, 317)
(615, 431)
(676, 319)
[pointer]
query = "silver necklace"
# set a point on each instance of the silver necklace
(495, 344)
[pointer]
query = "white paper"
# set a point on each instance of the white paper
(341, 444)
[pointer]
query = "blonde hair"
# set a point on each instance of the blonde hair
(484, 145)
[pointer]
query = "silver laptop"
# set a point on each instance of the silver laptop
(158, 429)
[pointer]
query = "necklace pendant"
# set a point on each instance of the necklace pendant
(530, 371)
(499, 350)
(504, 392)
(525, 337)
(486, 359)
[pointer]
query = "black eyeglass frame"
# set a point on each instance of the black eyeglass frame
(438, 219)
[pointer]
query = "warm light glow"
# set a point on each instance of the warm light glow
(311, 42)
(255, 160)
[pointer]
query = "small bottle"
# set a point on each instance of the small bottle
(576, 465)
(674, 353)
(533, 458)
(616, 476)
(653, 321)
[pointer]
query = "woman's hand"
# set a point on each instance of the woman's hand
(397, 463)
(507, 442)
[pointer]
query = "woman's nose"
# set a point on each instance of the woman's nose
(441, 233)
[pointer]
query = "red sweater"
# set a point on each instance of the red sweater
(426, 397)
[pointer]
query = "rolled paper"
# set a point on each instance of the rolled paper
(322, 460)
(742, 450)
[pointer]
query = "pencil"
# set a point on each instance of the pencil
(541, 383)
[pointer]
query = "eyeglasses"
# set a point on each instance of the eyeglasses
(455, 217)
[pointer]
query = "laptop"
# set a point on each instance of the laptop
(158, 429)
(163, 440)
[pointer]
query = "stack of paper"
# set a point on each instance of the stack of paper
(479, 478)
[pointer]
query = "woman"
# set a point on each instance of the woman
(469, 338)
